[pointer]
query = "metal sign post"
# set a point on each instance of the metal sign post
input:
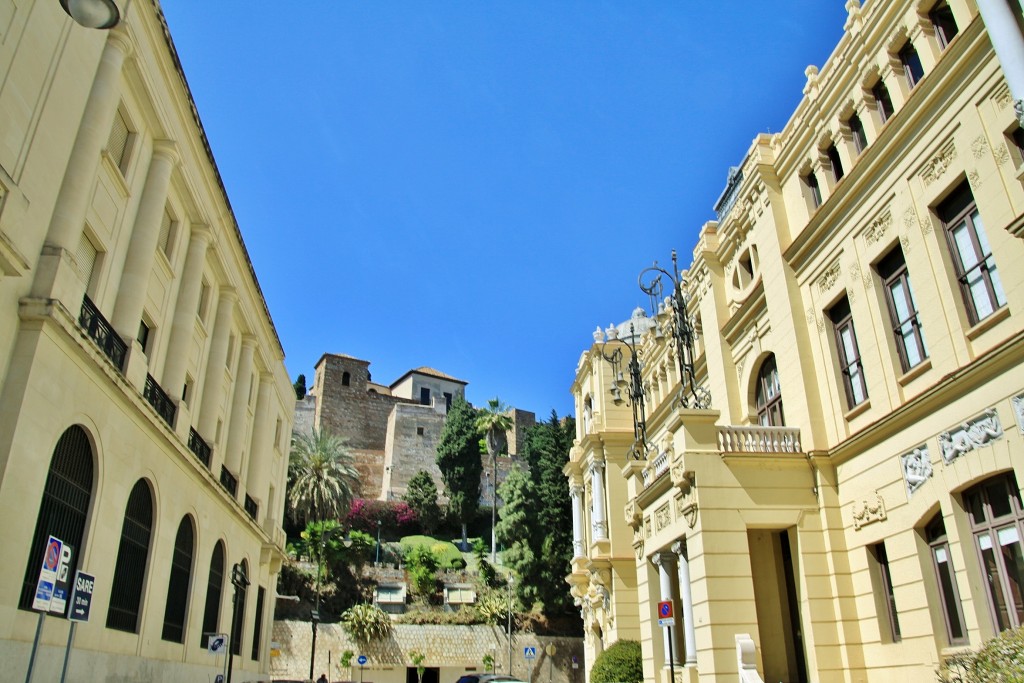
(56, 557)
(81, 602)
(667, 619)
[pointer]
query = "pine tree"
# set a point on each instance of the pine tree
(458, 458)
(421, 495)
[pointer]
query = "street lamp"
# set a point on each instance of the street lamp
(240, 581)
(634, 387)
(377, 561)
(92, 13)
(511, 580)
(314, 614)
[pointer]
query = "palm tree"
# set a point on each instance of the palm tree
(323, 477)
(492, 423)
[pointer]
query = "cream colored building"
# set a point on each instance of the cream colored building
(145, 411)
(851, 497)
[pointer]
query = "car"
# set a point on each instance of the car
(488, 678)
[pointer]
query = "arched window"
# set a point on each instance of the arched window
(132, 555)
(945, 576)
(214, 589)
(769, 395)
(239, 620)
(346, 379)
(64, 508)
(997, 520)
(177, 586)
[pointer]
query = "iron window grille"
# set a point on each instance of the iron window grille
(251, 507)
(102, 332)
(132, 555)
(214, 591)
(176, 607)
(199, 447)
(158, 398)
(228, 481)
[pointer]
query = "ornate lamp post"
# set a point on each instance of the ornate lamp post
(314, 614)
(634, 388)
(240, 581)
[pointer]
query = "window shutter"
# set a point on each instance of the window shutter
(85, 258)
(117, 145)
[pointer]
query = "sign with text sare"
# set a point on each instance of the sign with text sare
(81, 596)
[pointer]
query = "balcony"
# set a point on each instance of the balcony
(228, 481)
(101, 332)
(759, 440)
(199, 447)
(659, 466)
(251, 508)
(159, 399)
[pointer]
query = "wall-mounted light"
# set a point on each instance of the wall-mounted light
(93, 13)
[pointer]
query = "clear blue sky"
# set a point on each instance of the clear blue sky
(472, 185)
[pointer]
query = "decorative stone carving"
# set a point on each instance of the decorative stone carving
(878, 227)
(979, 146)
(1018, 411)
(598, 335)
(974, 177)
(917, 468)
(905, 242)
(686, 508)
(682, 478)
(868, 511)
(632, 515)
(638, 549)
(1002, 155)
(662, 517)
(647, 527)
(937, 165)
(1002, 96)
(829, 278)
(970, 435)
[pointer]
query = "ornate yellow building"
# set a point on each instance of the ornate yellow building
(145, 411)
(847, 507)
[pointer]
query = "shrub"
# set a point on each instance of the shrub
(622, 662)
(1000, 660)
(365, 623)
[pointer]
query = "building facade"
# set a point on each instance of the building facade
(145, 411)
(850, 500)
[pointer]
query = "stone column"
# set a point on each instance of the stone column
(666, 564)
(600, 521)
(138, 263)
(185, 312)
(239, 404)
(213, 381)
(258, 469)
(576, 493)
(689, 631)
(1004, 31)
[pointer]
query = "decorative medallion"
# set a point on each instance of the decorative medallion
(970, 435)
(868, 511)
(662, 517)
(937, 165)
(979, 146)
(878, 227)
(917, 468)
(829, 278)
(1002, 154)
(1018, 411)
(974, 177)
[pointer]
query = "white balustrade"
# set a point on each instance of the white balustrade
(744, 439)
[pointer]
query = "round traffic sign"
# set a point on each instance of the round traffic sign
(665, 609)
(362, 660)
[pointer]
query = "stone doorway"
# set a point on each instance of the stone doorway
(774, 568)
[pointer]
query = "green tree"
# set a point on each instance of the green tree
(492, 423)
(300, 387)
(458, 458)
(323, 478)
(421, 495)
(516, 529)
(423, 564)
(621, 662)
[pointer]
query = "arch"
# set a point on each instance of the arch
(238, 619)
(214, 591)
(768, 394)
(176, 608)
(65, 505)
(132, 558)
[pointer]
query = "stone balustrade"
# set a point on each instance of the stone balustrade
(746, 439)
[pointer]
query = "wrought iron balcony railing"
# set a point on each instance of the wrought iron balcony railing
(198, 446)
(159, 399)
(228, 481)
(101, 332)
(251, 508)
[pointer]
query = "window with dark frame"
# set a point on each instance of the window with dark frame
(143, 336)
(881, 558)
(1017, 140)
(836, 162)
(850, 365)
(132, 557)
(238, 624)
(860, 137)
(257, 627)
(176, 608)
(997, 522)
(911, 62)
(346, 379)
(903, 313)
(883, 102)
(214, 590)
(813, 189)
(944, 23)
(945, 576)
(768, 398)
(424, 396)
(976, 272)
(118, 142)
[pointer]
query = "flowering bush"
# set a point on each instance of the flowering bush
(1000, 660)
(395, 516)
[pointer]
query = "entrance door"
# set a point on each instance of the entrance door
(777, 600)
(430, 675)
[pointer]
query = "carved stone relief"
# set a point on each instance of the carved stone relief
(1002, 96)
(1018, 411)
(869, 510)
(829, 278)
(878, 227)
(1002, 155)
(972, 434)
(979, 146)
(662, 517)
(632, 515)
(974, 177)
(917, 468)
(938, 164)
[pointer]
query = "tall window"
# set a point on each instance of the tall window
(177, 586)
(860, 138)
(346, 379)
(837, 164)
(944, 22)
(425, 396)
(911, 62)
(812, 189)
(132, 555)
(769, 395)
(952, 614)
(883, 102)
(980, 285)
(885, 594)
(164, 242)
(903, 314)
(849, 355)
(997, 520)
(214, 590)
(64, 507)
(117, 143)
(239, 619)
(257, 627)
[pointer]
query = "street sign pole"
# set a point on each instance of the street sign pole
(671, 664)
(67, 651)
(35, 648)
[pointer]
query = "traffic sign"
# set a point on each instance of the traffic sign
(217, 644)
(81, 596)
(362, 660)
(48, 574)
(665, 615)
(530, 652)
(60, 586)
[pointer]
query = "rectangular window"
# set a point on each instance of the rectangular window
(849, 355)
(911, 62)
(882, 101)
(143, 336)
(903, 311)
(812, 189)
(424, 396)
(883, 578)
(257, 628)
(976, 271)
(860, 138)
(945, 575)
(117, 143)
(86, 258)
(944, 23)
(204, 301)
(166, 229)
(447, 401)
(836, 162)
(186, 390)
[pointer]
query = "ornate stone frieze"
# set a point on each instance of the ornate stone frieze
(1018, 411)
(878, 227)
(938, 164)
(972, 434)
(979, 146)
(974, 178)
(1002, 154)
(632, 514)
(917, 468)
(662, 517)
(828, 278)
(869, 510)
(1002, 96)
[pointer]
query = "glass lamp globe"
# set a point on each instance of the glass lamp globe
(92, 13)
